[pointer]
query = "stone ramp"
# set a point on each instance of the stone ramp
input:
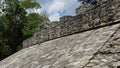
(108, 56)
(74, 51)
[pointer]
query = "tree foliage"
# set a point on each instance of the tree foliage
(16, 24)
(34, 24)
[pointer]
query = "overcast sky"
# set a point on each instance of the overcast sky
(58, 8)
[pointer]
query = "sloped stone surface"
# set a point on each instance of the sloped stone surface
(109, 55)
(74, 51)
(98, 16)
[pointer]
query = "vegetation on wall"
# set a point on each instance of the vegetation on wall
(17, 24)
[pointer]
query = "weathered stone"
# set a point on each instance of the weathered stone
(98, 16)
(93, 41)
(74, 51)
(109, 54)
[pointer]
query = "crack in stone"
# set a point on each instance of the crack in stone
(101, 47)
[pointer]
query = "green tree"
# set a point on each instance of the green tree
(16, 24)
(4, 49)
(34, 24)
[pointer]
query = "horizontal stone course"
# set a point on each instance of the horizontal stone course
(100, 15)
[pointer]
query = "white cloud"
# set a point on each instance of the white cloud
(54, 17)
(54, 8)
(57, 5)
(58, 8)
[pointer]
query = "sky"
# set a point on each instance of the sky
(58, 8)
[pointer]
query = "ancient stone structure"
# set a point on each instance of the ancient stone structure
(88, 40)
(89, 6)
(99, 15)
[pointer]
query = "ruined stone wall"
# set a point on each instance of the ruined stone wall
(89, 6)
(100, 15)
(98, 48)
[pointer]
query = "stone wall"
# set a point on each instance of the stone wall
(89, 6)
(98, 16)
(89, 49)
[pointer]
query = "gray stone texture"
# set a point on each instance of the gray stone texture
(74, 51)
(90, 39)
(108, 56)
(99, 15)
